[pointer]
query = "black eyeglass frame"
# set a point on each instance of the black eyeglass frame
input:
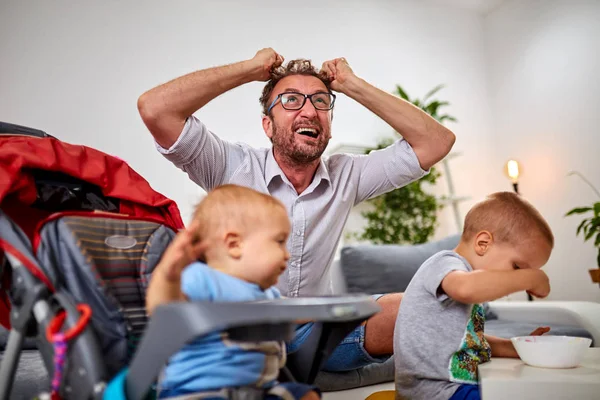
(304, 97)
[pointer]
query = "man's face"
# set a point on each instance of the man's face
(299, 135)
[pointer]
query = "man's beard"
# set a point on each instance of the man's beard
(287, 143)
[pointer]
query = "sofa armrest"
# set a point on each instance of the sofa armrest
(577, 313)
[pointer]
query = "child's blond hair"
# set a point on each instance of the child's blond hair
(508, 217)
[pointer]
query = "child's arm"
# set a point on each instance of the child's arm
(504, 348)
(481, 286)
(165, 283)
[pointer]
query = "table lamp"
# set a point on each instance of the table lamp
(513, 170)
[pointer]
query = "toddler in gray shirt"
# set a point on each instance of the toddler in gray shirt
(439, 337)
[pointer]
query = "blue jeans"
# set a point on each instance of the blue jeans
(466, 392)
(349, 355)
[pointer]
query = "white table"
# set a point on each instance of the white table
(505, 378)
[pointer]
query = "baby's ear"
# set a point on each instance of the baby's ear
(483, 242)
(233, 244)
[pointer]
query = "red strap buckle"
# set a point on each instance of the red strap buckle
(58, 320)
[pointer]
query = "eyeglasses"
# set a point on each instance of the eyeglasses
(295, 101)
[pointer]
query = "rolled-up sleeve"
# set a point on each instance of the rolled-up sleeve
(384, 170)
(206, 158)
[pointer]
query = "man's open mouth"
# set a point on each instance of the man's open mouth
(310, 132)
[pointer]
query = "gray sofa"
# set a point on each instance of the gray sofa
(377, 269)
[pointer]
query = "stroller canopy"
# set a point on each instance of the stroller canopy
(45, 175)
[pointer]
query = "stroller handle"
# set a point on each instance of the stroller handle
(13, 129)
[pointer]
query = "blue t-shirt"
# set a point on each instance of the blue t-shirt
(214, 361)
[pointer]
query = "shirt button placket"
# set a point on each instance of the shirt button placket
(296, 248)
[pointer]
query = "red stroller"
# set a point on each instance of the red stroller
(80, 234)
(79, 231)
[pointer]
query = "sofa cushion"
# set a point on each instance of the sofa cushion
(376, 269)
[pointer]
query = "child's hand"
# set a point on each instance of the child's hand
(505, 348)
(540, 284)
(540, 331)
(181, 252)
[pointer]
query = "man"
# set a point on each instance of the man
(319, 193)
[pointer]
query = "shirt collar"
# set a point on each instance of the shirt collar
(272, 170)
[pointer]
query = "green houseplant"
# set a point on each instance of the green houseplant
(590, 226)
(407, 215)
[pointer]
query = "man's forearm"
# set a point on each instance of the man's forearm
(165, 108)
(430, 140)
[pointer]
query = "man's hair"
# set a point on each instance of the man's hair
(508, 217)
(293, 67)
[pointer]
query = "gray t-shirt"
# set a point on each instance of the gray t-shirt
(438, 342)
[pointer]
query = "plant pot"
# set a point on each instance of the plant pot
(595, 275)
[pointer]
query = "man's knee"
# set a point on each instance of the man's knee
(390, 302)
(379, 329)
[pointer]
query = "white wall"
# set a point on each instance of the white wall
(543, 64)
(76, 69)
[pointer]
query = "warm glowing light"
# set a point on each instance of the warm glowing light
(513, 170)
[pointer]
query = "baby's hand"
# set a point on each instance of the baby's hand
(181, 252)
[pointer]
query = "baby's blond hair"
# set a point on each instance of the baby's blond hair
(229, 206)
(508, 217)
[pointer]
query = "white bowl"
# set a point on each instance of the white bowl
(551, 351)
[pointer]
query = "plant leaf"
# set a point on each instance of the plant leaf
(433, 91)
(597, 209)
(581, 226)
(597, 241)
(402, 93)
(446, 118)
(590, 231)
(433, 107)
(588, 236)
(579, 210)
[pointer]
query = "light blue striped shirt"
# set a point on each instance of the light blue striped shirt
(318, 214)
